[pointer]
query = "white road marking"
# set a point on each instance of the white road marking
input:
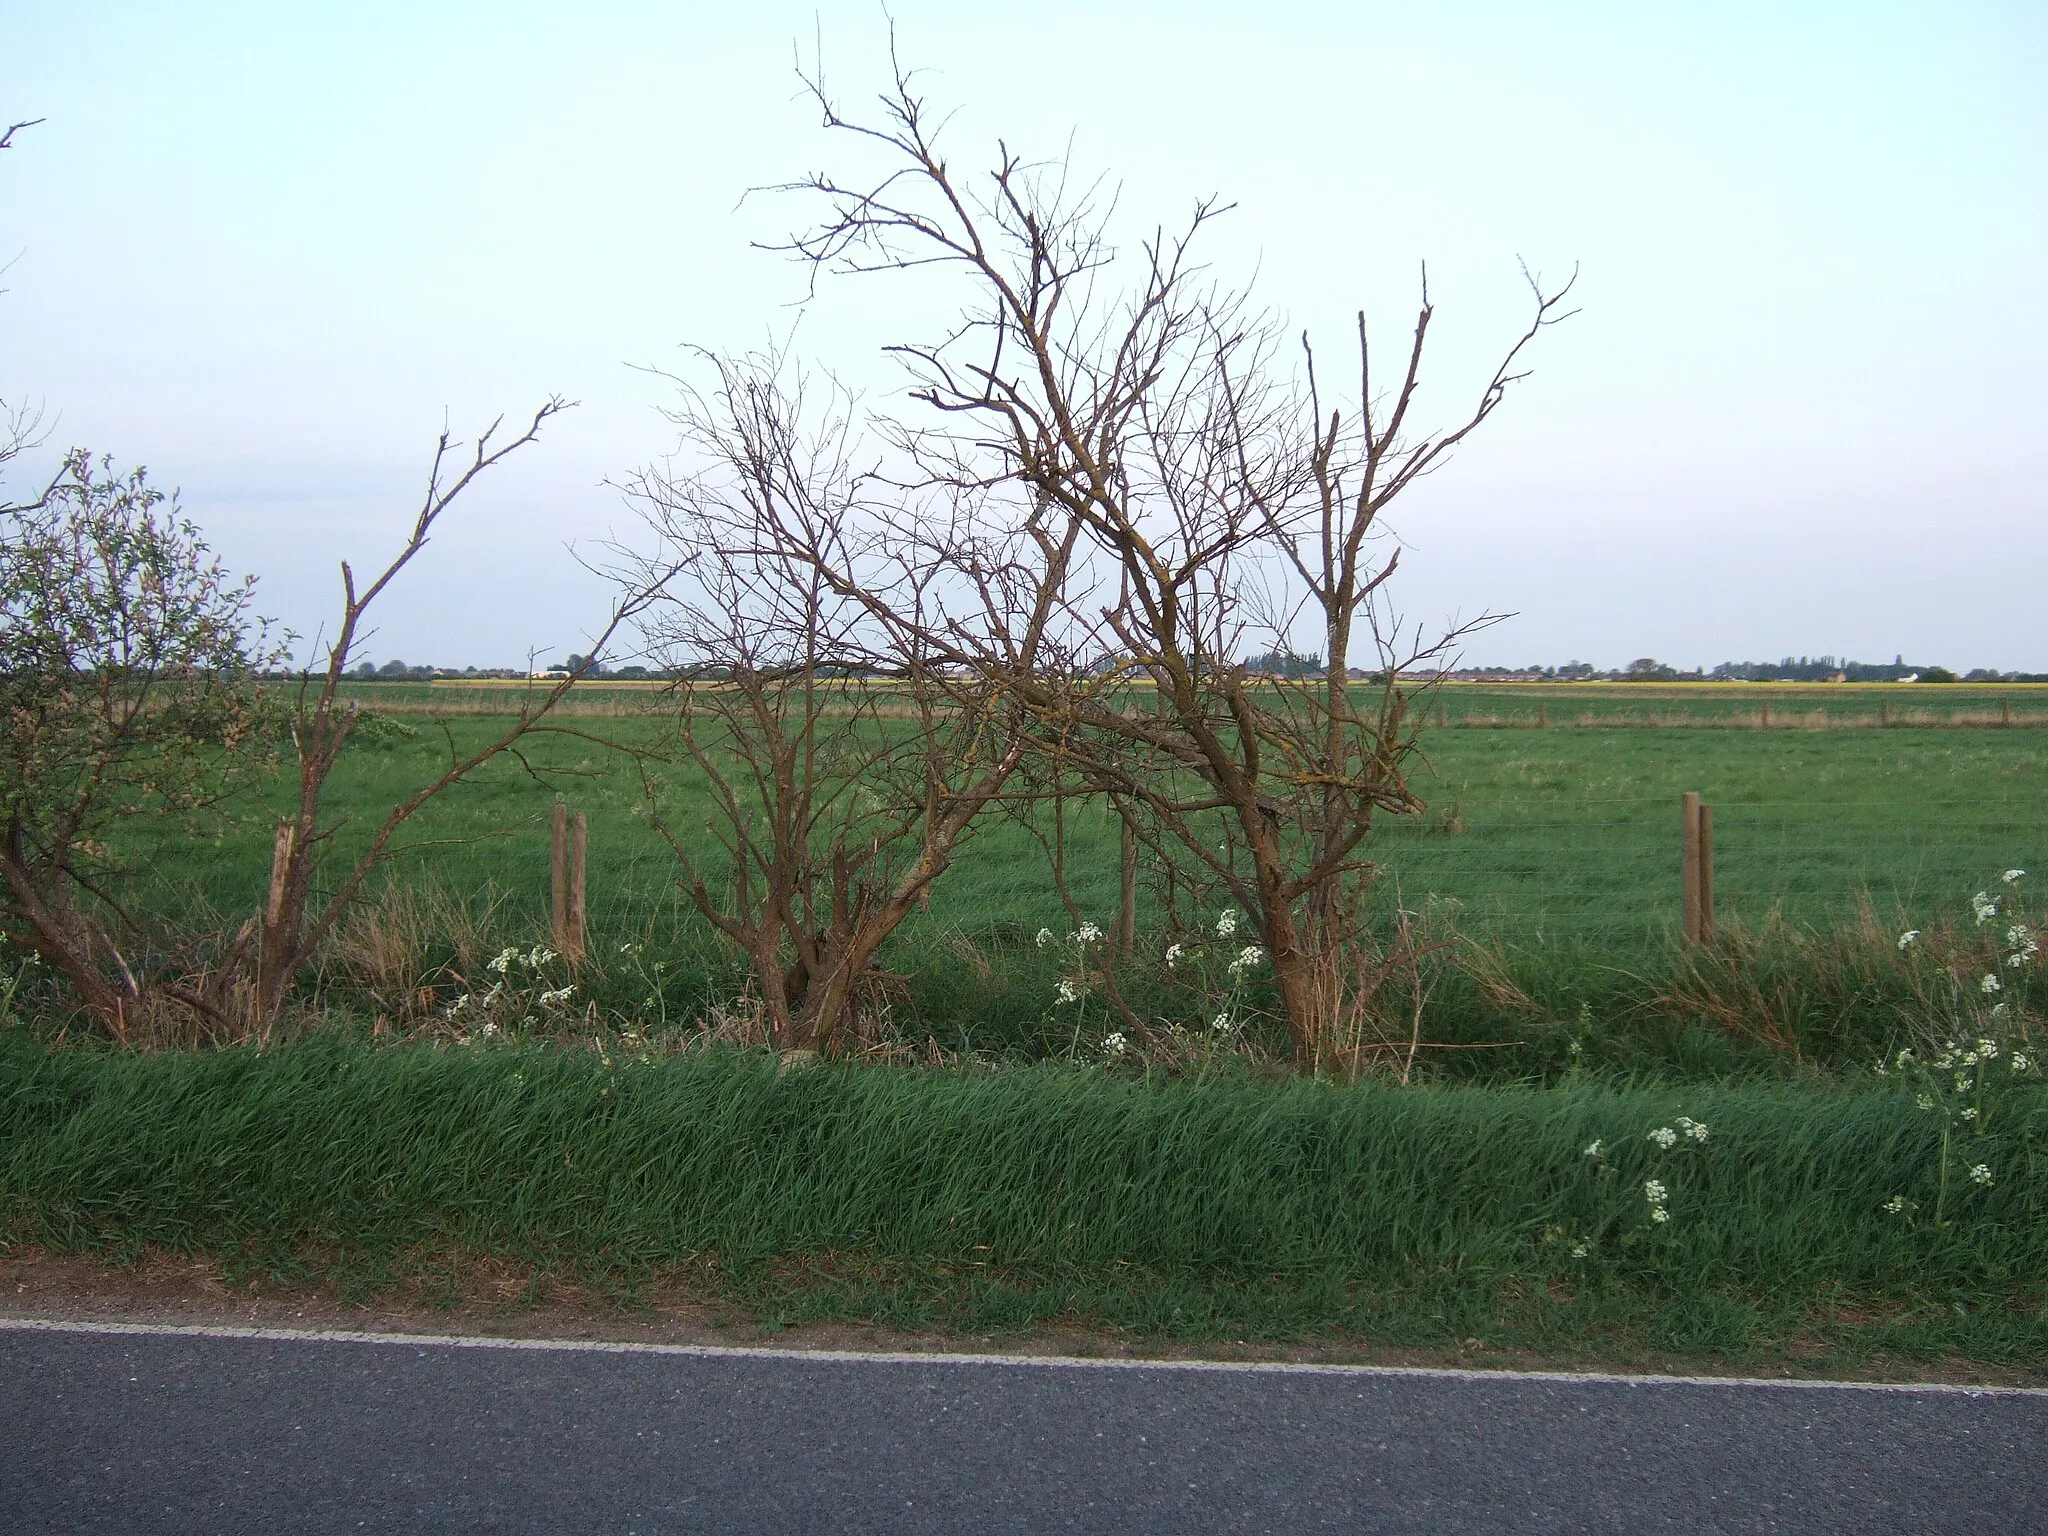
(938, 1357)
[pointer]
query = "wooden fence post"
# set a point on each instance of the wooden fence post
(1884, 712)
(558, 869)
(2005, 711)
(1689, 865)
(1763, 721)
(1542, 714)
(280, 869)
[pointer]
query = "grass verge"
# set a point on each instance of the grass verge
(1011, 1200)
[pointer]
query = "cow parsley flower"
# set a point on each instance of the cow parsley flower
(1985, 906)
(1173, 954)
(1665, 1137)
(1658, 1213)
(1220, 1024)
(556, 998)
(1247, 959)
(1990, 983)
(1981, 1174)
(1655, 1192)
(1088, 933)
(501, 960)
(1692, 1128)
(1987, 1050)
(1044, 937)
(2012, 876)
(1594, 1149)
(1896, 1205)
(1115, 1044)
(1067, 993)
(1226, 923)
(1910, 937)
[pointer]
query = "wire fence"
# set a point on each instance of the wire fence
(1613, 871)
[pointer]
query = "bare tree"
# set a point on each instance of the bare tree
(1192, 499)
(251, 984)
(845, 769)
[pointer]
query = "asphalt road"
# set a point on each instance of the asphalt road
(141, 1431)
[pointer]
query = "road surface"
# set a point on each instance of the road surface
(110, 1427)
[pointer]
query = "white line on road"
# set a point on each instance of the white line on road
(937, 1357)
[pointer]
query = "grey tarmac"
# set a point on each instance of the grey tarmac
(137, 1428)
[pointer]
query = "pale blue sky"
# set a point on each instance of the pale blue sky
(262, 248)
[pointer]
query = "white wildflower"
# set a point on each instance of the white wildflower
(2012, 876)
(1990, 983)
(1969, 1114)
(1658, 1213)
(1905, 1056)
(1594, 1149)
(1981, 1174)
(1115, 1044)
(1247, 958)
(2021, 1062)
(1987, 1050)
(458, 1005)
(1923, 1101)
(1665, 1137)
(1578, 1250)
(538, 956)
(1896, 1204)
(1692, 1128)
(1226, 923)
(1909, 938)
(1173, 954)
(2000, 1010)
(1220, 1024)
(1067, 993)
(1655, 1192)
(502, 959)
(1088, 933)
(1985, 906)
(1044, 937)
(1962, 1083)
(556, 998)
(489, 1031)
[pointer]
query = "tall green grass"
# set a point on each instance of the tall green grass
(1224, 1207)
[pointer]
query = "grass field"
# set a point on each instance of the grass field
(1227, 1209)
(1556, 847)
(1005, 1190)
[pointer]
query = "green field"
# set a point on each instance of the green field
(1556, 847)
(984, 1201)
(1829, 1214)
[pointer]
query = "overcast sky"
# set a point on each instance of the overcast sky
(263, 249)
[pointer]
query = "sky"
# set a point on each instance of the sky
(268, 250)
